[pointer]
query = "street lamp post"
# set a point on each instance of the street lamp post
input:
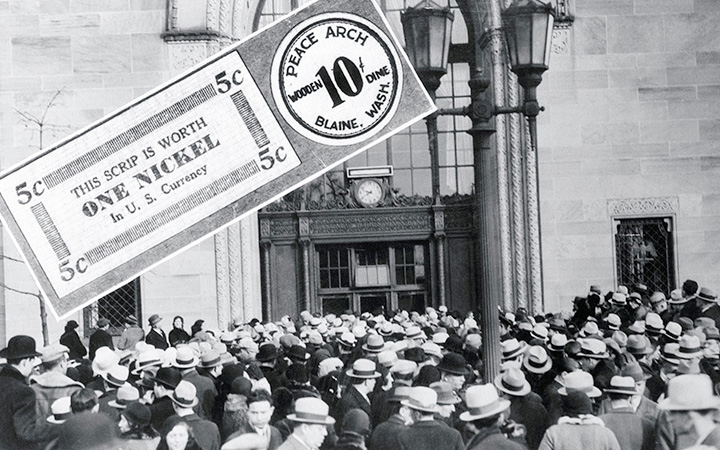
(528, 26)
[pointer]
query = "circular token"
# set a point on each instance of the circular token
(336, 79)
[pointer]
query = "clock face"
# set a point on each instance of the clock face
(369, 192)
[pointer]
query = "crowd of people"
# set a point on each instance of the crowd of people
(628, 369)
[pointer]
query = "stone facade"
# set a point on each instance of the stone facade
(632, 103)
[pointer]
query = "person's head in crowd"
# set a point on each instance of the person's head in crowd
(211, 363)
(178, 322)
(576, 404)
(154, 321)
(446, 398)
(88, 431)
(165, 381)
(247, 350)
(453, 369)
(691, 405)
(363, 375)
(135, 422)
(177, 434)
(196, 327)
(592, 351)
(485, 408)
(620, 391)
(84, 400)
(115, 377)
(689, 289)
(513, 350)
(427, 375)
(422, 402)
(310, 421)
(403, 371)
(260, 409)
(658, 302)
(634, 371)
(54, 358)
(355, 425)
(21, 355)
(706, 298)
(399, 394)
(184, 398)
(297, 374)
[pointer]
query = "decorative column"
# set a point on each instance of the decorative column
(266, 245)
(304, 237)
(440, 237)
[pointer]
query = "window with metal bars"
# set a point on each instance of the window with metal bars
(115, 307)
(644, 249)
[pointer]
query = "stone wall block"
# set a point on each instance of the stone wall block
(678, 93)
(69, 24)
(710, 130)
(19, 25)
(692, 32)
(669, 131)
(37, 55)
(641, 151)
(96, 6)
(611, 168)
(632, 112)
(603, 7)
(637, 77)
(102, 54)
(149, 53)
(635, 34)
(107, 99)
(590, 34)
(671, 166)
(664, 6)
(85, 80)
(134, 22)
(39, 6)
(663, 60)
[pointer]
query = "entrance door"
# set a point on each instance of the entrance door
(371, 302)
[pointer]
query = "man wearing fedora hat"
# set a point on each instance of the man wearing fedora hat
(385, 435)
(156, 336)
(206, 433)
(259, 412)
(131, 335)
(100, 338)
(708, 302)
(19, 425)
(484, 416)
(310, 421)
(164, 383)
(186, 362)
(526, 407)
(692, 406)
(72, 341)
(632, 430)
(426, 432)
(362, 378)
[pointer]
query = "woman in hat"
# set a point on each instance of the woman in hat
(135, 427)
(71, 340)
(178, 335)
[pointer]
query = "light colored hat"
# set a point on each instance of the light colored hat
(185, 358)
(359, 331)
(669, 352)
(185, 394)
(623, 290)
(672, 331)
(246, 441)
(637, 344)
(126, 394)
(329, 365)
(311, 410)
(61, 410)
(445, 393)
(619, 298)
(653, 324)
(248, 344)
(374, 344)
(613, 321)
(557, 343)
(622, 385)
(414, 332)
(637, 327)
(105, 358)
(579, 381)
(657, 297)
(537, 360)
(483, 401)
(440, 337)
(512, 348)
(387, 358)
(513, 382)
(690, 393)
(53, 352)
(707, 295)
(148, 358)
(404, 366)
(593, 348)
(620, 337)
(676, 297)
(422, 398)
(209, 359)
(539, 332)
(363, 368)
(590, 329)
(689, 347)
(432, 349)
(347, 339)
(117, 375)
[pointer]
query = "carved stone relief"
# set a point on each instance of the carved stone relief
(642, 206)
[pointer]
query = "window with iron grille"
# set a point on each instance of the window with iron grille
(115, 307)
(644, 249)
